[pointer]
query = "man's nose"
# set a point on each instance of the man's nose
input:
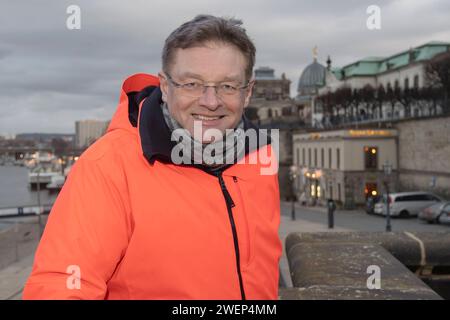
(209, 98)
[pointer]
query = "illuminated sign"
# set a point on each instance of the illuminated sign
(369, 133)
(353, 133)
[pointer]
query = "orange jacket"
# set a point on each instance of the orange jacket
(129, 224)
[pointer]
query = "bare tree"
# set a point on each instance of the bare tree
(379, 99)
(437, 78)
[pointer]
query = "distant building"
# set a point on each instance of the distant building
(271, 96)
(270, 88)
(46, 138)
(404, 70)
(311, 80)
(272, 108)
(7, 136)
(344, 165)
(88, 131)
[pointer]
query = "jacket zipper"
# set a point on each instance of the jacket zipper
(230, 204)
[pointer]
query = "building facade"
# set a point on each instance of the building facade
(88, 131)
(344, 165)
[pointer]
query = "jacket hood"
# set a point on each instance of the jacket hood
(132, 90)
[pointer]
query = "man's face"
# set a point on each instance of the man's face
(211, 64)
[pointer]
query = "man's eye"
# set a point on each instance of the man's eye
(191, 85)
(228, 87)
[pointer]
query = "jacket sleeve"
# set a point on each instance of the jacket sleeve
(85, 237)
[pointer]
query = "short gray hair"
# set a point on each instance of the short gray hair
(205, 28)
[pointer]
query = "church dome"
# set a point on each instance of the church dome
(313, 77)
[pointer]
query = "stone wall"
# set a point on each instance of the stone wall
(424, 155)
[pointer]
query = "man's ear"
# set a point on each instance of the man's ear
(164, 85)
(249, 92)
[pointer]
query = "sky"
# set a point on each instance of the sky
(51, 76)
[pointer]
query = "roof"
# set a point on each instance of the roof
(264, 73)
(313, 76)
(374, 65)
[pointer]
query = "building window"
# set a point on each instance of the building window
(315, 158)
(396, 85)
(406, 83)
(416, 81)
(338, 158)
(329, 158)
(303, 157)
(309, 157)
(371, 157)
(322, 158)
(297, 153)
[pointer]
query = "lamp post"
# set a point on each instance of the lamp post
(387, 168)
(38, 171)
(293, 177)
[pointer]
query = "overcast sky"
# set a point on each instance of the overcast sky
(51, 76)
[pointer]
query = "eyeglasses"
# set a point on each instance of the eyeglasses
(196, 89)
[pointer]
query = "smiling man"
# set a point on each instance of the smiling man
(133, 223)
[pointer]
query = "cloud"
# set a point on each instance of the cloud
(52, 76)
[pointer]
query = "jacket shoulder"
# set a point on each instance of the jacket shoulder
(111, 145)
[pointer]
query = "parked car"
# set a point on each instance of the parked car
(433, 213)
(406, 204)
(444, 218)
(370, 204)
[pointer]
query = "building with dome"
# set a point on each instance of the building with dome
(311, 80)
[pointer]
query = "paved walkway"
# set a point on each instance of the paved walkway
(13, 278)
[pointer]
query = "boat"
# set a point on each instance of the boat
(56, 183)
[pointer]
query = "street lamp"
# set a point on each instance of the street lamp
(38, 171)
(293, 176)
(387, 168)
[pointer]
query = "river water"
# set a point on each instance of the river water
(15, 192)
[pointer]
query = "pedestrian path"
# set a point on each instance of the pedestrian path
(13, 278)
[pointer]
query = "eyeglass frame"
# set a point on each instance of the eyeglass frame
(205, 87)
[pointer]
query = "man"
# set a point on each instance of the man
(140, 217)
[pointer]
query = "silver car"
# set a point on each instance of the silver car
(444, 218)
(406, 204)
(433, 213)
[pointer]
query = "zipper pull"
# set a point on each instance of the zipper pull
(227, 195)
(235, 179)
